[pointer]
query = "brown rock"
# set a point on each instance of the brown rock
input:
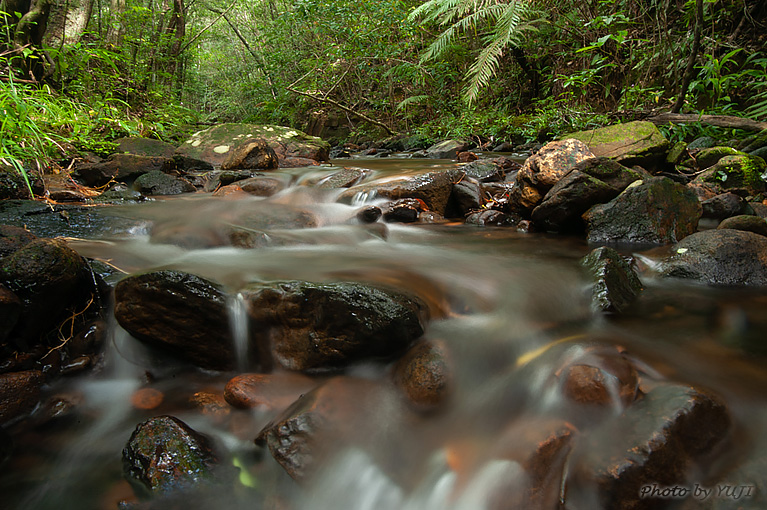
(262, 186)
(745, 223)
(424, 376)
(274, 392)
(147, 398)
(254, 153)
(13, 238)
(600, 379)
(211, 404)
(19, 393)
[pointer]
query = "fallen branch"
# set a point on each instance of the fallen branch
(726, 121)
(323, 99)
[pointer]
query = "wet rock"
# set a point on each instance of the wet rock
(543, 170)
(369, 214)
(466, 157)
(262, 186)
(490, 170)
(447, 149)
(434, 188)
(164, 455)
(147, 398)
(121, 167)
(49, 277)
(616, 284)
(19, 394)
(64, 195)
(159, 183)
(10, 311)
(719, 257)
(653, 211)
(12, 238)
(747, 223)
(311, 326)
(633, 143)
(424, 375)
(13, 185)
(253, 153)
(180, 312)
(610, 172)
(503, 147)
(342, 179)
(652, 442)
(292, 147)
(491, 218)
(145, 147)
(562, 207)
(736, 172)
(709, 157)
(186, 164)
(231, 176)
(724, 205)
(312, 427)
(273, 392)
(467, 195)
(211, 403)
(601, 378)
(405, 210)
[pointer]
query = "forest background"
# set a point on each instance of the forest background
(77, 74)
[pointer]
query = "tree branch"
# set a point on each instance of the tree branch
(193, 39)
(727, 121)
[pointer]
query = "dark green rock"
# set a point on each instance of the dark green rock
(754, 142)
(711, 156)
(179, 312)
(609, 171)
(653, 211)
(719, 257)
(312, 326)
(736, 172)
(145, 147)
(159, 183)
(616, 284)
(164, 455)
(634, 143)
(747, 223)
(676, 153)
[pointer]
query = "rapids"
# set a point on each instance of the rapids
(513, 308)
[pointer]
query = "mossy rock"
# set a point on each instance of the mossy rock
(634, 143)
(13, 185)
(711, 156)
(754, 142)
(741, 171)
(215, 144)
(145, 147)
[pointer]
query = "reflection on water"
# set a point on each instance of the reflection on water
(513, 310)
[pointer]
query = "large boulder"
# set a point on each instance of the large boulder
(653, 442)
(145, 147)
(736, 172)
(543, 170)
(179, 312)
(164, 455)
(253, 153)
(215, 144)
(634, 143)
(433, 188)
(121, 167)
(653, 211)
(720, 257)
(446, 149)
(310, 326)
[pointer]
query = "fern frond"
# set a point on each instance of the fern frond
(408, 101)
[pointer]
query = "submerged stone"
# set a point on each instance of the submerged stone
(267, 391)
(424, 375)
(313, 326)
(19, 393)
(719, 257)
(616, 284)
(165, 455)
(179, 312)
(159, 183)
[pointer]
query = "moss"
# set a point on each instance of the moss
(738, 171)
(709, 157)
(631, 143)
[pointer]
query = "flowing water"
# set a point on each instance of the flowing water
(511, 308)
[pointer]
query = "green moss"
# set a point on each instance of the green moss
(709, 157)
(738, 171)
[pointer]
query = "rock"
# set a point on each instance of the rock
(186, 164)
(211, 403)
(231, 176)
(121, 167)
(292, 147)
(466, 157)
(147, 398)
(262, 186)
(610, 172)
(467, 196)
(434, 188)
(49, 277)
(491, 218)
(311, 326)
(13, 185)
(616, 284)
(711, 156)
(405, 210)
(489, 170)
(10, 311)
(145, 147)
(65, 195)
(754, 142)
(424, 375)
(159, 183)
(369, 214)
(543, 170)
(652, 442)
(447, 149)
(273, 392)
(719, 257)
(654, 211)
(253, 153)
(179, 312)
(342, 179)
(19, 394)
(564, 204)
(724, 205)
(165, 455)
(313, 426)
(602, 377)
(702, 142)
(503, 147)
(736, 172)
(6, 446)
(747, 223)
(12, 238)
(676, 153)
(634, 143)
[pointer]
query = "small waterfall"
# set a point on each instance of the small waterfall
(238, 323)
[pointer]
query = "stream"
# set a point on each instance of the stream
(514, 309)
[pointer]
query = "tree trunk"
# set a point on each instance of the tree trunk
(116, 28)
(69, 19)
(688, 73)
